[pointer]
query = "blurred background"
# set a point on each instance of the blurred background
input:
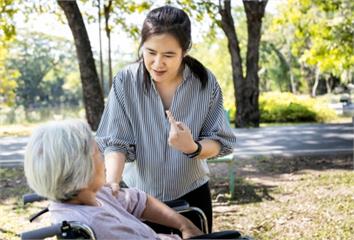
(304, 71)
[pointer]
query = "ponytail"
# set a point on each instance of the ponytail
(197, 69)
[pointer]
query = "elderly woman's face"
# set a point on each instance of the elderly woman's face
(99, 176)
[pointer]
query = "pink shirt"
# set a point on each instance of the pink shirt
(117, 217)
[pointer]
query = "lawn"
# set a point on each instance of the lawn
(276, 198)
(291, 198)
(16, 130)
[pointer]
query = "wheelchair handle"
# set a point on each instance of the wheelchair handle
(32, 197)
(43, 232)
(177, 205)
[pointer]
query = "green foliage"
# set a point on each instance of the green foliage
(44, 63)
(277, 107)
(7, 12)
(294, 112)
(7, 79)
(213, 52)
(274, 68)
(7, 32)
(218, 61)
(286, 107)
(323, 33)
(115, 14)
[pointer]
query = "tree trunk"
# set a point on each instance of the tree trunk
(317, 79)
(107, 10)
(228, 26)
(250, 115)
(292, 81)
(100, 41)
(328, 84)
(291, 74)
(92, 92)
(109, 59)
(246, 89)
(254, 13)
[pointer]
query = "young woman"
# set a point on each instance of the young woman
(164, 117)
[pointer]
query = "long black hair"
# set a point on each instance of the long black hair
(174, 21)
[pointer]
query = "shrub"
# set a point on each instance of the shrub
(287, 107)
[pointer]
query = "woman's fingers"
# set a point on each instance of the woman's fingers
(114, 187)
(175, 126)
(181, 126)
(171, 119)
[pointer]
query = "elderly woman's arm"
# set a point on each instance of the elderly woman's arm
(158, 212)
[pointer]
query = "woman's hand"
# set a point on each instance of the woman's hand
(190, 230)
(180, 137)
(114, 187)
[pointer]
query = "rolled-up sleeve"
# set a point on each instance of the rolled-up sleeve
(216, 126)
(115, 133)
(133, 200)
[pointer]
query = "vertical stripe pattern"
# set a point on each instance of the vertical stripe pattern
(135, 124)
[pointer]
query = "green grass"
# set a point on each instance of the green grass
(311, 200)
(315, 200)
(16, 130)
(310, 207)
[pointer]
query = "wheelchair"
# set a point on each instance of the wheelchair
(78, 230)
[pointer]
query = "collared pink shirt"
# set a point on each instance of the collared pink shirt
(117, 218)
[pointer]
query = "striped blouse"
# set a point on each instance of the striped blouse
(134, 123)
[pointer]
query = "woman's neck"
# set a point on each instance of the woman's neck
(85, 197)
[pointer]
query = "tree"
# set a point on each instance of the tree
(116, 11)
(278, 66)
(7, 33)
(323, 37)
(7, 79)
(33, 59)
(100, 41)
(44, 62)
(92, 92)
(246, 86)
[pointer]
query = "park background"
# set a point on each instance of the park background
(302, 73)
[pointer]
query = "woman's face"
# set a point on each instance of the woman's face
(99, 176)
(163, 57)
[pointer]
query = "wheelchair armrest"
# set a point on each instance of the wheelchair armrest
(63, 230)
(182, 206)
(32, 197)
(42, 233)
(178, 205)
(229, 234)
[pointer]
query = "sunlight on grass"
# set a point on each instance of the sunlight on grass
(13, 214)
(309, 205)
(15, 122)
(17, 130)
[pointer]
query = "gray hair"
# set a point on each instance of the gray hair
(58, 159)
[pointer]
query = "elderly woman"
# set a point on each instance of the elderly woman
(64, 164)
